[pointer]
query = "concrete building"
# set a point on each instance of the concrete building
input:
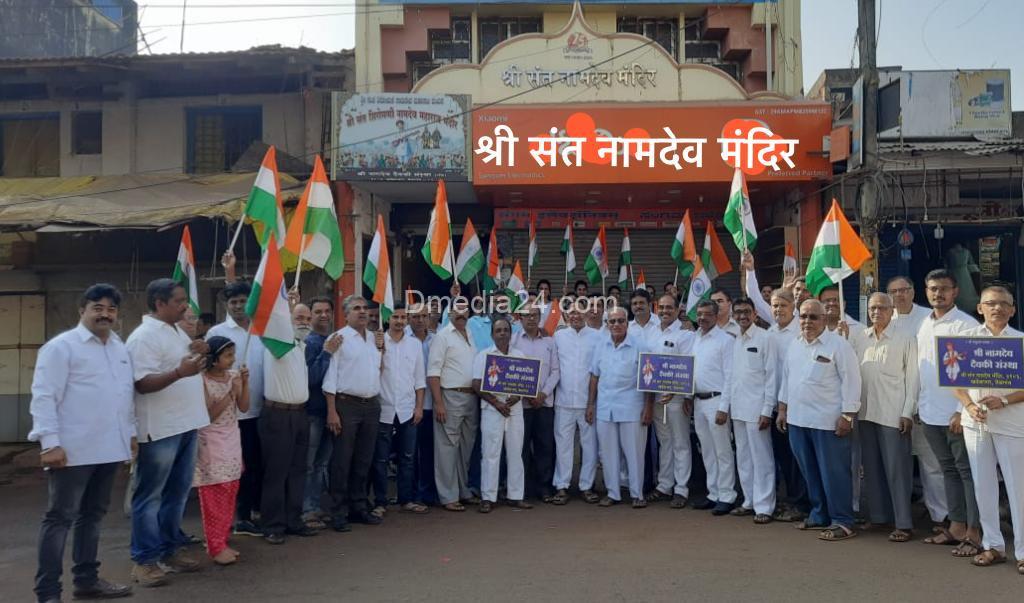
(67, 28)
(102, 160)
(613, 69)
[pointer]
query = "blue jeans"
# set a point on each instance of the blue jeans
(163, 477)
(405, 434)
(426, 489)
(825, 462)
(321, 441)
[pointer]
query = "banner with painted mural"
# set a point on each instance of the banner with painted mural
(980, 362)
(400, 137)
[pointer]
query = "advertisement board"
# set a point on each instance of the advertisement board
(400, 137)
(942, 104)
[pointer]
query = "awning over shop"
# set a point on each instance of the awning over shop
(112, 202)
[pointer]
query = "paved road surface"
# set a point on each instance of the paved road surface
(573, 553)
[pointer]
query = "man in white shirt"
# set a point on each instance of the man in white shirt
(170, 405)
(836, 320)
(83, 418)
(539, 412)
(403, 382)
(818, 401)
(236, 328)
(996, 437)
(456, 408)
(575, 346)
(643, 324)
(671, 424)
(752, 396)
(712, 350)
(723, 301)
(939, 411)
(908, 318)
(352, 386)
(501, 425)
(284, 435)
(888, 368)
(595, 313)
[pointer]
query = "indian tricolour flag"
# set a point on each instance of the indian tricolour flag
(625, 261)
(716, 263)
(437, 249)
(492, 276)
(567, 249)
(641, 280)
(268, 304)
(185, 270)
(516, 287)
(263, 207)
(789, 261)
(597, 261)
(684, 250)
(838, 252)
(531, 260)
(739, 219)
(471, 256)
(314, 232)
(377, 272)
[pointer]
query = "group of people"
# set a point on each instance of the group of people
(290, 442)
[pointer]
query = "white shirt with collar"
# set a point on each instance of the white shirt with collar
(731, 328)
(673, 340)
(254, 361)
(754, 375)
(644, 332)
(286, 379)
(1008, 420)
(428, 398)
(480, 372)
(820, 381)
(856, 331)
(402, 375)
(713, 363)
(935, 405)
(355, 368)
(83, 398)
(888, 369)
(451, 358)
(783, 338)
(575, 354)
(157, 347)
(911, 323)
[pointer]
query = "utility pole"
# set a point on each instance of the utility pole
(868, 196)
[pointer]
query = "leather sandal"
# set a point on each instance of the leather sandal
(485, 506)
(988, 558)
(455, 507)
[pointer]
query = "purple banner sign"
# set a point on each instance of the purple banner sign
(511, 376)
(665, 373)
(980, 362)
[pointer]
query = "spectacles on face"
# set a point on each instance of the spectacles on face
(939, 288)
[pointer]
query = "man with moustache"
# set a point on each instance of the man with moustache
(643, 324)
(351, 387)
(726, 322)
(456, 410)
(538, 413)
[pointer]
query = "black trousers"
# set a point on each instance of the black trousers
(352, 455)
(539, 450)
(250, 486)
(787, 471)
(79, 497)
(284, 438)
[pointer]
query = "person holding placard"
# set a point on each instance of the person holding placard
(501, 423)
(996, 437)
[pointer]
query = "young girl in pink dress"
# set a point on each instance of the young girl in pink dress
(219, 459)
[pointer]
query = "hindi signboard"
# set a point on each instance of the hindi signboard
(665, 373)
(400, 137)
(980, 362)
(511, 376)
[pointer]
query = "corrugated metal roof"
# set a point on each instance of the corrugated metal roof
(258, 51)
(968, 147)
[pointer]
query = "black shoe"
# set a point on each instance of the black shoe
(340, 525)
(304, 531)
(102, 589)
(722, 508)
(704, 505)
(274, 538)
(365, 518)
(247, 528)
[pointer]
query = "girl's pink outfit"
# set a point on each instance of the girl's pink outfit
(219, 463)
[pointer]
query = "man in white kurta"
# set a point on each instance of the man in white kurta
(752, 397)
(712, 350)
(575, 346)
(994, 433)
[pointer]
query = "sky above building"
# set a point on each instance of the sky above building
(915, 34)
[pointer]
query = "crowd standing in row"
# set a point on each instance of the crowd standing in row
(788, 390)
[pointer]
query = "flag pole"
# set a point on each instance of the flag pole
(298, 267)
(842, 301)
(238, 231)
(675, 279)
(604, 292)
(632, 277)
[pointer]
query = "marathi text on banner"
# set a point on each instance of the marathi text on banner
(980, 362)
(511, 376)
(665, 373)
